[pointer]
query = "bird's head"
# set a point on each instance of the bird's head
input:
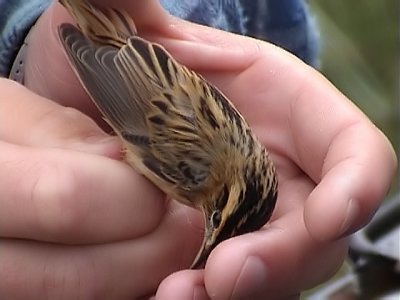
(244, 206)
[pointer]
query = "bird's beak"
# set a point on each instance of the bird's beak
(201, 255)
(206, 247)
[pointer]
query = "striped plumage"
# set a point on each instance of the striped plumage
(178, 130)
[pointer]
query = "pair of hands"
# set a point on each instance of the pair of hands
(76, 222)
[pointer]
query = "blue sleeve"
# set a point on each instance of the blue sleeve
(16, 18)
(222, 14)
(286, 23)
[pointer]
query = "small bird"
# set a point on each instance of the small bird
(177, 129)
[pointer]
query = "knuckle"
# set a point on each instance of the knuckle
(57, 198)
(61, 123)
(65, 280)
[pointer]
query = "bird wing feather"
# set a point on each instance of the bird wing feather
(149, 101)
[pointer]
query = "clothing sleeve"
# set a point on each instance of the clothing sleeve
(226, 15)
(16, 18)
(285, 23)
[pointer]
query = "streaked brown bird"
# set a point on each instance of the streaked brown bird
(177, 129)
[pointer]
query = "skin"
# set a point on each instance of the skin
(114, 236)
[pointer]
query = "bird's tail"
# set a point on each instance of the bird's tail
(106, 26)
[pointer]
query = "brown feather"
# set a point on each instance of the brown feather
(178, 130)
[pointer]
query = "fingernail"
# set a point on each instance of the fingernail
(251, 280)
(199, 293)
(351, 214)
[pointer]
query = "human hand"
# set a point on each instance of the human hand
(75, 222)
(312, 132)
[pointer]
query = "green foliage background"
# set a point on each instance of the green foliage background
(359, 54)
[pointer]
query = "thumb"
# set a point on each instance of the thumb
(31, 120)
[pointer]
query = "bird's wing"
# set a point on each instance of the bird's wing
(151, 102)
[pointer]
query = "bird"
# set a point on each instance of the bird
(176, 128)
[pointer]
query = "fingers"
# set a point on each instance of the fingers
(30, 120)
(147, 15)
(58, 183)
(186, 284)
(206, 49)
(121, 270)
(340, 149)
(357, 174)
(272, 265)
(72, 197)
(276, 262)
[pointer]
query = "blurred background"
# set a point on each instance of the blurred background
(359, 54)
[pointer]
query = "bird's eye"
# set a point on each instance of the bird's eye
(216, 218)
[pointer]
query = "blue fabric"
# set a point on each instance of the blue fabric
(16, 17)
(222, 14)
(286, 23)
